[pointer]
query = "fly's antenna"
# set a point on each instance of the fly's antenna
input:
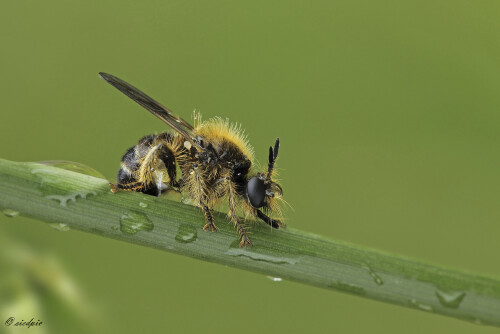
(273, 154)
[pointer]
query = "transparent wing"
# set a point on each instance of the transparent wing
(175, 122)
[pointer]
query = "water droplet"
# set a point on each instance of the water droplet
(132, 222)
(275, 279)
(186, 234)
(346, 287)
(60, 227)
(421, 306)
(63, 199)
(450, 299)
(253, 254)
(74, 167)
(187, 200)
(374, 275)
(46, 175)
(10, 213)
(143, 205)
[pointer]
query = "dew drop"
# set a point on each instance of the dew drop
(258, 254)
(46, 175)
(60, 227)
(10, 213)
(346, 287)
(374, 275)
(143, 205)
(74, 167)
(450, 299)
(132, 222)
(186, 234)
(187, 200)
(275, 279)
(64, 199)
(421, 306)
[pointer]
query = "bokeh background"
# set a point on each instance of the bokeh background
(389, 117)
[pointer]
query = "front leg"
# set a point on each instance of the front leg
(245, 241)
(274, 223)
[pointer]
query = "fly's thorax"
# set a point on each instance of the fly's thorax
(220, 131)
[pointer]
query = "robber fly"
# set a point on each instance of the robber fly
(215, 161)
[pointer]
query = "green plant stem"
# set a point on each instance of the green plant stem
(85, 203)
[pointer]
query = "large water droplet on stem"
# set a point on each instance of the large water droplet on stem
(450, 299)
(186, 234)
(74, 167)
(132, 222)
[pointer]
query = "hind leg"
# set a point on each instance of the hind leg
(127, 182)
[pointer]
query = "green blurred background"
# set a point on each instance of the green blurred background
(388, 114)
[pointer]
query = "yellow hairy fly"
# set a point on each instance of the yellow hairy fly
(215, 161)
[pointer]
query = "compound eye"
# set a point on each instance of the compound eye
(256, 192)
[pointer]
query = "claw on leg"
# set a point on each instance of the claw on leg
(210, 226)
(114, 187)
(245, 242)
(274, 223)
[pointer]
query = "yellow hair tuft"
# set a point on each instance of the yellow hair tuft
(218, 129)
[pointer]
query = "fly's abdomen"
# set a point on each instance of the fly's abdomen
(128, 168)
(148, 165)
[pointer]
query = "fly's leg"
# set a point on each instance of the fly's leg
(209, 218)
(274, 223)
(232, 213)
(242, 232)
(167, 155)
(132, 186)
